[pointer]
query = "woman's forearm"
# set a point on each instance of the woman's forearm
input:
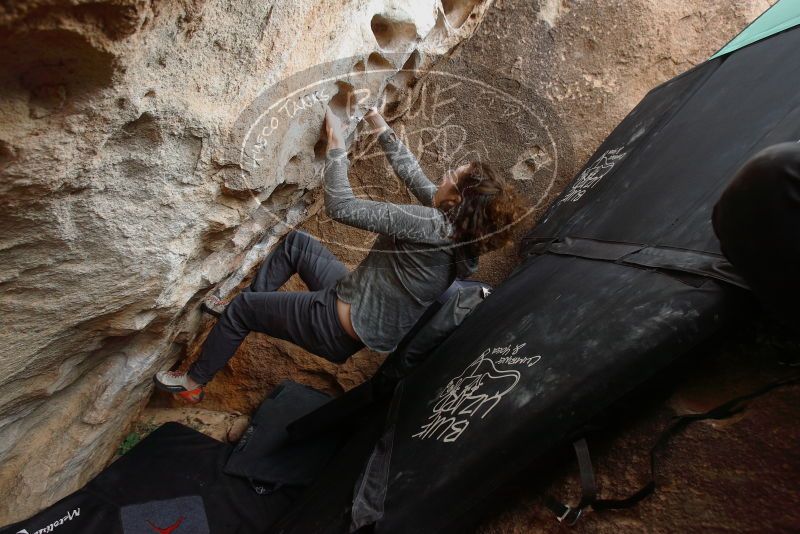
(336, 184)
(410, 222)
(403, 162)
(406, 166)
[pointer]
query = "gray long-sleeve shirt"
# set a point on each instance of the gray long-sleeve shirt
(412, 261)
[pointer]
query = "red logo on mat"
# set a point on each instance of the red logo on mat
(166, 530)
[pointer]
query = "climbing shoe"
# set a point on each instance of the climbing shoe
(192, 397)
(178, 383)
(213, 305)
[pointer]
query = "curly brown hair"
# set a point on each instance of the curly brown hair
(488, 209)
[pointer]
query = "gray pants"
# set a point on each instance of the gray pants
(306, 318)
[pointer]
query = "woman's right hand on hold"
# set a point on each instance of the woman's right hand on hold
(375, 120)
(333, 129)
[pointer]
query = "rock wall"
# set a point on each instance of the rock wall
(119, 206)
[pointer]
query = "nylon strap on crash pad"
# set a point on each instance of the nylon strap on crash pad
(570, 515)
(694, 262)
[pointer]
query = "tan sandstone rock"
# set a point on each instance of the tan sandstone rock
(120, 208)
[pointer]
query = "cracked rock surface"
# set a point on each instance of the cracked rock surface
(119, 207)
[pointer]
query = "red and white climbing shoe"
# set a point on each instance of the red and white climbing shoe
(178, 383)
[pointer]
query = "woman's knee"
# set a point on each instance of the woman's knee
(300, 246)
(295, 243)
(296, 238)
(238, 310)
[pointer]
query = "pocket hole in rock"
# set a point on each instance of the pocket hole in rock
(320, 147)
(407, 75)
(392, 97)
(57, 68)
(344, 101)
(393, 34)
(378, 70)
(376, 62)
(457, 11)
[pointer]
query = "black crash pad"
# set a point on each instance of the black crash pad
(172, 478)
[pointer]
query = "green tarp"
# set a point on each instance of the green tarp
(783, 15)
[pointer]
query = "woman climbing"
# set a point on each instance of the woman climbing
(420, 250)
